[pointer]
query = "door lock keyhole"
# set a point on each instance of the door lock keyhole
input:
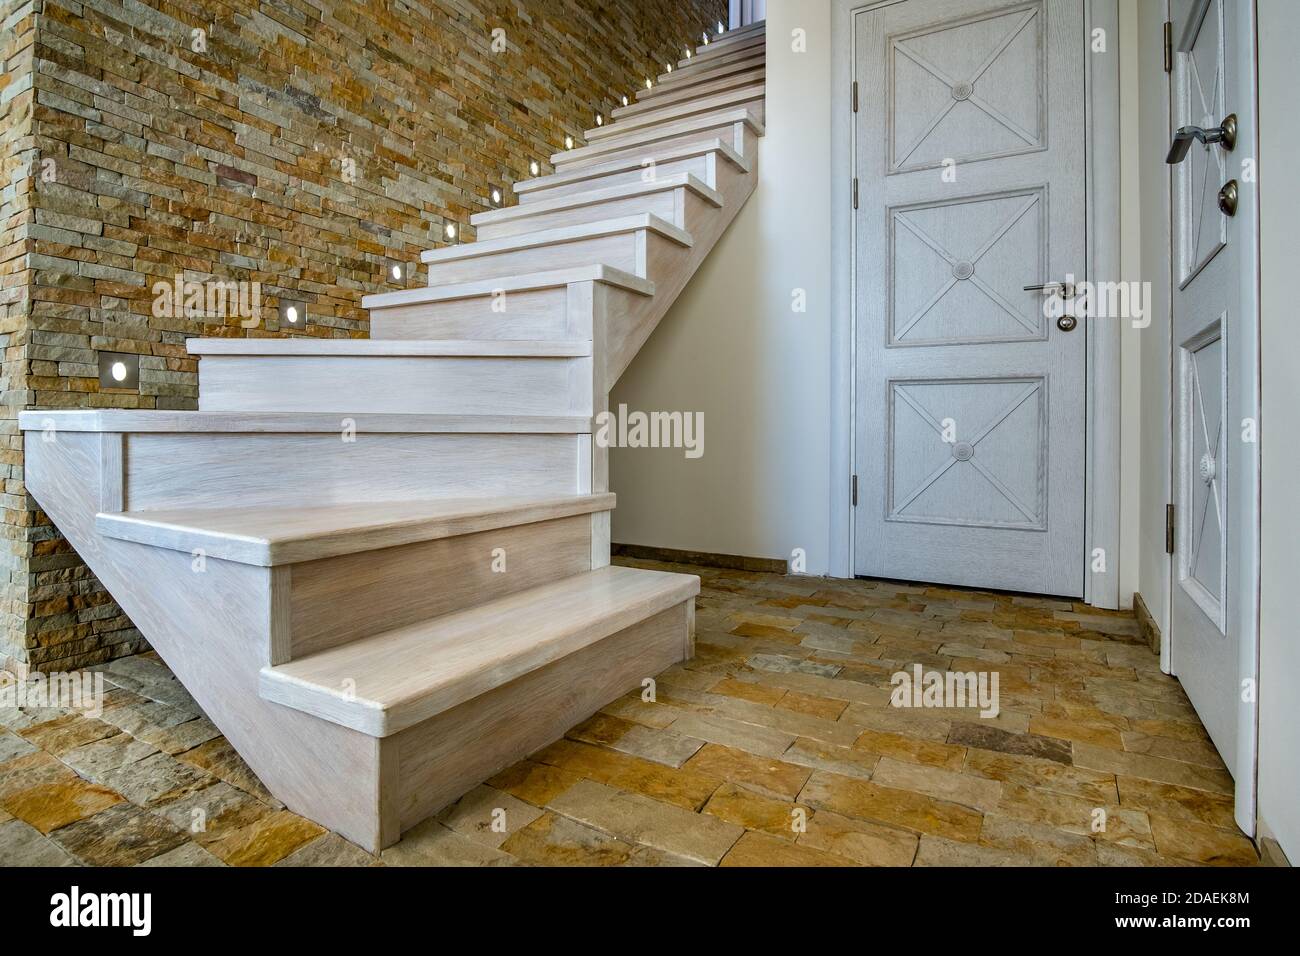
(1067, 323)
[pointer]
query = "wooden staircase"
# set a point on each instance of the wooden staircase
(382, 566)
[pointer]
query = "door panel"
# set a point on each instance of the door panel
(970, 400)
(1208, 399)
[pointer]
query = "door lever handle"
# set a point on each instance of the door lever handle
(1225, 135)
(1064, 289)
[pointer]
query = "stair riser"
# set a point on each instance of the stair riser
(437, 761)
(729, 131)
(549, 313)
(624, 250)
(751, 99)
(668, 205)
(647, 102)
(210, 470)
(396, 384)
(336, 600)
(703, 167)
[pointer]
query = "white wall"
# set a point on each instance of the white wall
(732, 348)
(1279, 658)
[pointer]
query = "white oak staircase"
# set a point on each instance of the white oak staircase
(382, 566)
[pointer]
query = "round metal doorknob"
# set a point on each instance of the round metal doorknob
(1228, 198)
(1067, 323)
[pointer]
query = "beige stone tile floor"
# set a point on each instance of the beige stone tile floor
(776, 745)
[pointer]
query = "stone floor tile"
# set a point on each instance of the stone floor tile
(869, 844)
(864, 800)
(122, 835)
(431, 844)
(535, 783)
(734, 733)
(23, 845)
(187, 854)
(555, 840)
(1043, 843)
(684, 788)
(937, 851)
(50, 805)
(1158, 769)
(1201, 843)
(1179, 803)
(967, 733)
(752, 811)
(968, 791)
(488, 815)
(1199, 752)
(787, 665)
(912, 749)
(218, 758)
(818, 755)
(1118, 824)
(265, 841)
(65, 733)
(11, 746)
(763, 849)
(661, 746)
(209, 813)
(807, 704)
(329, 849)
(99, 758)
(154, 780)
(745, 690)
(647, 713)
(636, 819)
(1045, 774)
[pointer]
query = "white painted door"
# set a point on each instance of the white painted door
(970, 400)
(1215, 351)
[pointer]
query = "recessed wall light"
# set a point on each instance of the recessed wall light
(535, 168)
(670, 67)
(649, 83)
(625, 102)
(119, 371)
(706, 37)
(721, 28)
(600, 117)
(293, 314)
(496, 195)
(689, 54)
(568, 142)
(450, 232)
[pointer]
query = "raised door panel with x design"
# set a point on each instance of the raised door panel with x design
(970, 399)
(1206, 320)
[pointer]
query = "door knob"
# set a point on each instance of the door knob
(1228, 198)
(1224, 134)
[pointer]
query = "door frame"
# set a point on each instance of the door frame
(1102, 392)
(1246, 364)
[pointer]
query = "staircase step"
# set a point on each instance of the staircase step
(749, 97)
(699, 159)
(388, 682)
(729, 125)
(622, 243)
(691, 76)
(168, 460)
(707, 56)
(533, 306)
(660, 96)
(665, 197)
(277, 536)
(453, 377)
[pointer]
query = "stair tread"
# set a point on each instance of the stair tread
(270, 536)
(132, 420)
(644, 135)
(692, 73)
(504, 348)
(553, 278)
(382, 684)
(604, 194)
(546, 237)
(665, 113)
(661, 95)
(625, 163)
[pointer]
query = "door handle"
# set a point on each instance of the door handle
(1224, 134)
(1064, 289)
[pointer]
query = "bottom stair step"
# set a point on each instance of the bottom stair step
(389, 682)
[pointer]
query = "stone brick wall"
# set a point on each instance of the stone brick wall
(299, 144)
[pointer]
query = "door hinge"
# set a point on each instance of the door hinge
(855, 491)
(1169, 47)
(1169, 529)
(855, 192)
(855, 96)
